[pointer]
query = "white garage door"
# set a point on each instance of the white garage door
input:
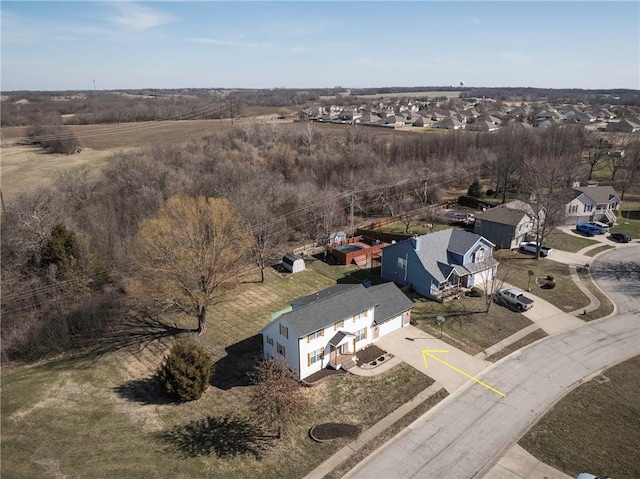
(390, 325)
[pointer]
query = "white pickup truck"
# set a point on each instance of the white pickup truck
(531, 246)
(514, 298)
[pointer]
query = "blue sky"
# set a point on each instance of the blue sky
(56, 45)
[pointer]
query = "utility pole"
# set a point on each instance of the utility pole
(351, 212)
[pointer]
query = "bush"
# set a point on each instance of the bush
(185, 373)
(490, 192)
(550, 277)
(476, 292)
(549, 285)
(475, 190)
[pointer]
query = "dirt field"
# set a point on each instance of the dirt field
(23, 168)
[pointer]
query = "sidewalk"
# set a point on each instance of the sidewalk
(343, 454)
(406, 344)
(517, 463)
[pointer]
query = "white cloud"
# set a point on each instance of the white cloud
(138, 18)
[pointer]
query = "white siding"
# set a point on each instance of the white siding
(391, 325)
(290, 344)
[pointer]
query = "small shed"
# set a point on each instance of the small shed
(292, 263)
(337, 237)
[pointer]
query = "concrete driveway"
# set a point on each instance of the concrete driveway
(408, 343)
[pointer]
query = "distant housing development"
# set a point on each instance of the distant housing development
(474, 114)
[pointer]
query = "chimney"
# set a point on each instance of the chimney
(415, 242)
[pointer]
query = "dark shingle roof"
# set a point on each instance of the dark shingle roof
(391, 302)
(502, 215)
(343, 301)
(329, 308)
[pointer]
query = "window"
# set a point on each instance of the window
(479, 256)
(402, 263)
(314, 356)
(281, 350)
(588, 208)
(316, 334)
(269, 340)
(362, 315)
(361, 334)
(339, 324)
(284, 331)
(573, 209)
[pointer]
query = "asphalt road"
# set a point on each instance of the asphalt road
(463, 436)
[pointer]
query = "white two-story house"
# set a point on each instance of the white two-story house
(328, 328)
(592, 203)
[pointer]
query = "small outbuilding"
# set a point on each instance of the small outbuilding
(337, 237)
(293, 263)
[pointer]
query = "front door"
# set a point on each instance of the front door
(376, 332)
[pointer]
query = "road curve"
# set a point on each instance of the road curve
(463, 436)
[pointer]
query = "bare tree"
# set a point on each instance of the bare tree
(511, 151)
(260, 203)
(630, 170)
(190, 253)
(277, 399)
(547, 196)
(596, 153)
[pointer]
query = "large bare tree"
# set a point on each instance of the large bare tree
(190, 253)
(547, 194)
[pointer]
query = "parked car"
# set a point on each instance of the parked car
(588, 229)
(531, 247)
(602, 227)
(620, 237)
(588, 475)
(514, 298)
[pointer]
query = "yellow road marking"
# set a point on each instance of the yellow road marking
(428, 352)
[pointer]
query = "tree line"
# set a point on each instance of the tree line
(71, 252)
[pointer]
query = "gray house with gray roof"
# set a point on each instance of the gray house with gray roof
(439, 265)
(504, 227)
(329, 327)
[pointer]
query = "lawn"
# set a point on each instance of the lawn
(595, 428)
(417, 227)
(599, 249)
(567, 242)
(105, 418)
(514, 268)
(606, 306)
(629, 226)
(467, 326)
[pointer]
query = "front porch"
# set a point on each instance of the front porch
(342, 351)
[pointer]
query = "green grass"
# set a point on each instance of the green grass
(467, 327)
(599, 249)
(594, 428)
(606, 306)
(514, 268)
(629, 226)
(566, 242)
(417, 227)
(98, 418)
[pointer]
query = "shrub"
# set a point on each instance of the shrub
(550, 277)
(490, 192)
(475, 190)
(549, 285)
(185, 373)
(476, 292)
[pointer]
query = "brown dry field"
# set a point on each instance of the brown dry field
(25, 167)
